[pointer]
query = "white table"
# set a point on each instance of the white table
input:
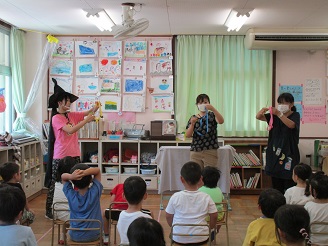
(171, 159)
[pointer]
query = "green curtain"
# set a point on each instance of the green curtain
(238, 82)
(17, 44)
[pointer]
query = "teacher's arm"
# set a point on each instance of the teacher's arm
(260, 114)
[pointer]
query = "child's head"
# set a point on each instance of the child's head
(64, 166)
(269, 201)
(12, 203)
(145, 232)
(191, 172)
(86, 180)
(292, 224)
(302, 171)
(211, 176)
(134, 189)
(8, 170)
(319, 185)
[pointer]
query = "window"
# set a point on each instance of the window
(6, 114)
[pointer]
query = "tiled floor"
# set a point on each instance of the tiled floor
(244, 210)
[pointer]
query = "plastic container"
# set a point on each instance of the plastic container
(111, 169)
(148, 171)
(128, 170)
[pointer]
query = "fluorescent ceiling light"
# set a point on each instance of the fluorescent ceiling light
(100, 18)
(237, 19)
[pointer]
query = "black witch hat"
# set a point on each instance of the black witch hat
(58, 93)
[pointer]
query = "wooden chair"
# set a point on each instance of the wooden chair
(224, 220)
(56, 221)
(316, 232)
(98, 242)
(208, 234)
(111, 221)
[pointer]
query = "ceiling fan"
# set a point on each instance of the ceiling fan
(130, 27)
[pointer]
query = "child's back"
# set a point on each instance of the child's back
(262, 231)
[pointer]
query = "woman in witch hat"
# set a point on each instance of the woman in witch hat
(63, 136)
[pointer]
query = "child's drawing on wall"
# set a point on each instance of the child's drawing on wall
(161, 67)
(135, 49)
(160, 48)
(110, 49)
(86, 48)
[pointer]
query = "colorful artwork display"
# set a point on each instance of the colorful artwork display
(86, 48)
(162, 103)
(64, 49)
(162, 84)
(160, 67)
(134, 85)
(61, 67)
(135, 48)
(160, 48)
(136, 67)
(110, 85)
(85, 103)
(110, 49)
(110, 103)
(63, 82)
(133, 103)
(86, 85)
(110, 66)
(86, 67)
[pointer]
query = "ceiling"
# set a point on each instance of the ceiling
(167, 17)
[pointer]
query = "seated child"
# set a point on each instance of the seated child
(318, 208)
(191, 206)
(292, 225)
(11, 175)
(84, 203)
(134, 192)
(64, 166)
(12, 203)
(300, 194)
(145, 232)
(211, 176)
(262, 231)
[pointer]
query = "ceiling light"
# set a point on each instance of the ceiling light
(100, 18)
(237, 19)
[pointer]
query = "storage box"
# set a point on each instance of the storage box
(148, 171)
(111, 169)
(130, 170)
(109, 181)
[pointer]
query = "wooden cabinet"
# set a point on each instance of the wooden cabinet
(31, 167)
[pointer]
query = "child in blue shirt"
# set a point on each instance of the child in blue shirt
(84, 203)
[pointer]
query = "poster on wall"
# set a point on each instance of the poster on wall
(110, 49)
(314, 114)
(133, 103)
(86, 67)
(135, 49)
(110, 103)
(110, 85)
(64, 49)
(160, 48)
(136, 67)
(63, 82)
(86, 48)
(160, 66)
(162, 103)
(162, 84)
(299, 109)
(110, 66)
(61, 67)
(86, 85)
(134, 85)
(313, 92)
(295, 90)
(84, 103)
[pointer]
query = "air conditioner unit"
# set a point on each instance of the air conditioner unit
(286, 39)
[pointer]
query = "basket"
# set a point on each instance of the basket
(111, 169)
(148, 171)
(130, 170)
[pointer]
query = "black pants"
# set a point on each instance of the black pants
(282, 184)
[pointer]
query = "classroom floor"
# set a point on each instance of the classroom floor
(244, 210)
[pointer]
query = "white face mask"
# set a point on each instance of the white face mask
(283, 108)
(201, 107)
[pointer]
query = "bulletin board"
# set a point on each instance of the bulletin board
(304, 74)
(127, 77)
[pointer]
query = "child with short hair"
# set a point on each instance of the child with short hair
(262, 231)
(145, 232)
(64, 166)
(292, 225)
(11, 175)
(191, 206)
(135, 191)
(211, 176)
(318, 208)
(300, 194)
(12, 203)
(84, 203)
